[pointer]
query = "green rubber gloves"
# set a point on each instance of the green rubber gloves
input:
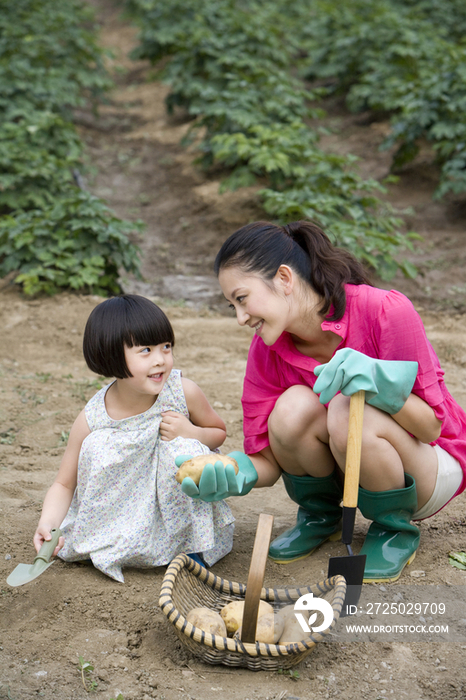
(218, 482)
(387, 383)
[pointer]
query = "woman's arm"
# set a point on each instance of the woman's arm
(203, 424)
(58, 498)
(266, 466)
(419, 419)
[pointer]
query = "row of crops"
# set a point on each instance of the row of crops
(249, 74)
(53, 234)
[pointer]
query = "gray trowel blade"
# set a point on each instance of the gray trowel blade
(24, 573)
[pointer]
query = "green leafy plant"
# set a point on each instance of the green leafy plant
(37, 153)
(7, 437)
(43, 376)
(458, 559)
(400, 59)
(86, 669)
(63, 440)
(294, 675)
(232, 69)
(74, 242)
(52, 234)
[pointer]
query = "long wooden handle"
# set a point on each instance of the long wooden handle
(256, 577)
(353, 450)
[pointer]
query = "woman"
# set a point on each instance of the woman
(322, 332)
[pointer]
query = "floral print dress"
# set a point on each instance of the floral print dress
(128, 509)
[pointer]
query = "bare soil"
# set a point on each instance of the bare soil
(73, 610)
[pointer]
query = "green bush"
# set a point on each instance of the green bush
(74, 242)
(38, 151)
(404, 59)
(49, 56)
(51, 233)
(232, 68)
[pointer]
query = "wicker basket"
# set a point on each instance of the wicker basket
(187, 585)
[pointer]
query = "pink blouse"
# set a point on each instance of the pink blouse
(378, 323)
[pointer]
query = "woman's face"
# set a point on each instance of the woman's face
(263, 306)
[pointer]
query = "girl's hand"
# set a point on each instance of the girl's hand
(43, 534)
(175, 425)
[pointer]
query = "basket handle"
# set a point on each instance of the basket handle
(256, 577)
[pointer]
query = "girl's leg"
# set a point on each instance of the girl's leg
(299, 441)
(390, 458)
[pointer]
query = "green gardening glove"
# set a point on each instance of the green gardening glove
(387, 383)
(218, 482)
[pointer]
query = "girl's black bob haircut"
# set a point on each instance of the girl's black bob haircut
(124, 320)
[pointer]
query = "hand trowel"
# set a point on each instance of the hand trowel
(24, 573)
(351, 566)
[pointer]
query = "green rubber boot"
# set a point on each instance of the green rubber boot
(392, 539)
(318, 518)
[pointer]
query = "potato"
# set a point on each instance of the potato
(194, 467)
(284, 613)
(232, 614)
(268, 630)
(207, 620)
(292, 632)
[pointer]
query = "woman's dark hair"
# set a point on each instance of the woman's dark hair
(262, 247)
(124, 320)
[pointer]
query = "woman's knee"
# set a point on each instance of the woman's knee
(337, 421)
(296, 412)
(375, 424)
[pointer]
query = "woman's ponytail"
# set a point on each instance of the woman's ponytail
(331, 267)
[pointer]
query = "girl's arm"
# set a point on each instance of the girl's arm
(204, 424)
(58, 498)
(419, 419)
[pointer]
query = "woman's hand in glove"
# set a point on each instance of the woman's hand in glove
(218, 481)
(387, 383)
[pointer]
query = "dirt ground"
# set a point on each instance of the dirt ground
(73, 610)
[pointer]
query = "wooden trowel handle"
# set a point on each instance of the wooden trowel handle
(353, 462)
(256, 577)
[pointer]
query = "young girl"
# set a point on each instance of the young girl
(322, 329)
(116, 483)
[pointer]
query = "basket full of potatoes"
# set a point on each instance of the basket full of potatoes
(207, 614)
(273, 626)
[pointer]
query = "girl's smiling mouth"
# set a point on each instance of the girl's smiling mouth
(156, 377)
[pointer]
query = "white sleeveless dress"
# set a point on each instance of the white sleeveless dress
(128, 509)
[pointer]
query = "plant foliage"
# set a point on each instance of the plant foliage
(74, 242)
(404, 58)
(232, 67)
(51, 233)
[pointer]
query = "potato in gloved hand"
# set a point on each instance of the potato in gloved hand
(193, 467)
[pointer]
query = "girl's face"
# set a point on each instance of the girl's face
(150, 366)
(263, 306)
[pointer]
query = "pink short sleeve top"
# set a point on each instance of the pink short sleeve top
(379, 323)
